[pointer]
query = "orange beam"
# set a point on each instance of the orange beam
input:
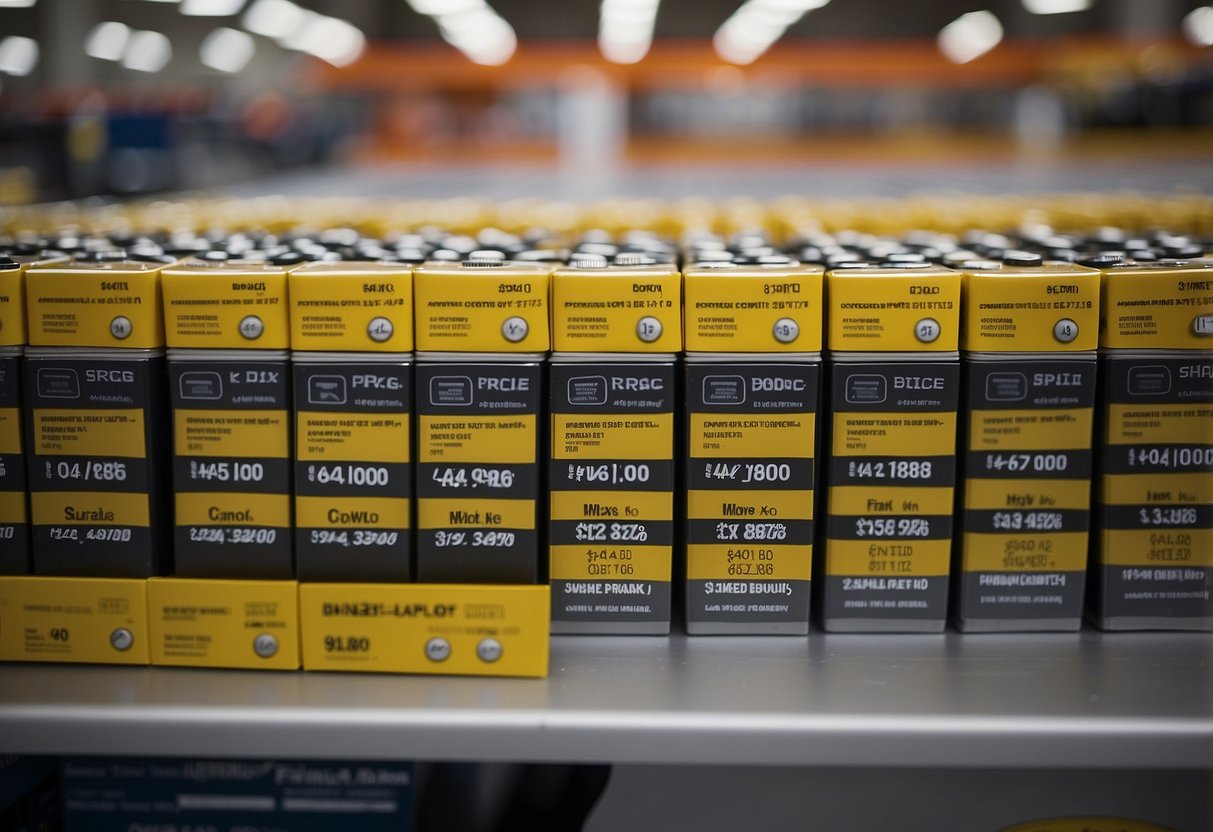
(796, 62)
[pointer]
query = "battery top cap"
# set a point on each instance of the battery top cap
(1022, 258)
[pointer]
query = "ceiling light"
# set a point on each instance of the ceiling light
(211, 8)
(756, 25)
(18, 55)
(1198, 26)
(481, 34)
(970, 36)
(16, 4)
(1056, 6)
(625, 29)
(107, 41)
(272, 18)
(147, 52)
(227, 50)
(434, 8)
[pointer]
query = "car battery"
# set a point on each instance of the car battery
(352, 340)
(96, 414)
(1153, 567)
(481, 332)
(752, 380)
(1028, 338)
(14, 514)
(615, 331)
(227, 329)
(893, 384)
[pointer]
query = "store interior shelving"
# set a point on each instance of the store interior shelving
(1089, 700)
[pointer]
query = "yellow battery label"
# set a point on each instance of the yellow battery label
(617, 310)
(205, 508)
(222, 623)
(1088, 824)
(364, 307)
(1162, 548)
(88, 508)
(890, 500)
(1025, 552)
(491, 310)
(10, 430)
(12, 507)
(1162, 489)
(80, 305)
(1034, 430)
(1053, 308)
(748, 310)
(235, 433)
(352, 437)
(900, 558)
(89, 432)
(91, 620)
(12, 308)
(996, 494)
(871, 310)
(894, 434)
(469, 512)
(744, 435)
(709, 505)
(465, 629)
(710, 562)
(487, 439)
(634, 563)
(611, 505)
(611, 435)
(352, 512)
(243, 307)
(1163, 308)
(1160, 423)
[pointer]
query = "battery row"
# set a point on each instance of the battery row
(1004, 430)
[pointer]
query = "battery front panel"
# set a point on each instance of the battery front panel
(752, 437)
(1025, 512)
(232, 467)
(1155, 512)
(892, 470)
(353, 478)
(14, 519)
(478, 440)
(612, 496)
(96, 432)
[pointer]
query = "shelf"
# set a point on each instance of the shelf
(1132, 700)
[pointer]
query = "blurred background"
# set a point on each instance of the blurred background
(568, 98)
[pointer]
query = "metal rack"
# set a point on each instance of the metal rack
(1086, 700)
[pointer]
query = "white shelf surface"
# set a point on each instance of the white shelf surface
(1123, 700)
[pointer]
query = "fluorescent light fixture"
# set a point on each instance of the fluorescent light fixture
(211, 8)
(1056, 6)
(481, 34)
(18, 55)
(625, 29)
(272, 18)
(16, 4)
(1198, 26)
(756, 25)
(433, 8)
(336, 41)
(970, 36)
(227, 50)
(107, 41)
(147, 52)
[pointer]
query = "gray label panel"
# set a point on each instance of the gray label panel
(748, 601)
(1014, 596)
(1156, 592)
(611, 602)
(886, 598)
